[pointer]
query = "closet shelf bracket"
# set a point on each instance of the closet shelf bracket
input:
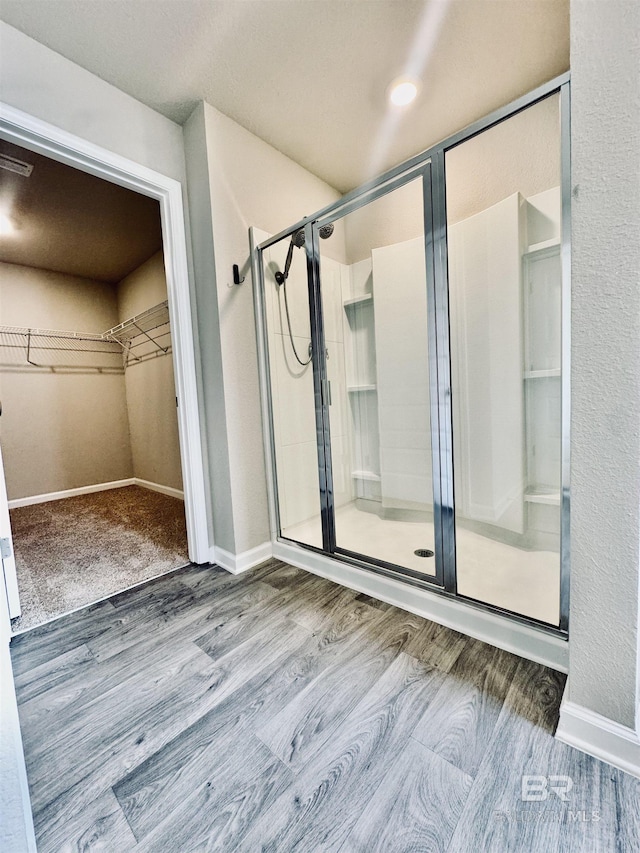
(144, 336)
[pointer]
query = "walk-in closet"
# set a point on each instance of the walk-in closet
(89, 432)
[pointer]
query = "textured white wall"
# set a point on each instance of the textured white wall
(213, 409)
(50, 87)
(605, 444)
(250, 183)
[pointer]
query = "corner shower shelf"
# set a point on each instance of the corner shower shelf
(366, 475)
(358, 389)
(542, 374)
(540, 247)
(541, 495)
(358, 300)
(144, 336)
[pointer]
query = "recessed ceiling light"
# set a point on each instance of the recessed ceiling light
(402, 92)
(6, 225)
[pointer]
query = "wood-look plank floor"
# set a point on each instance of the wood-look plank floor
(276, 711)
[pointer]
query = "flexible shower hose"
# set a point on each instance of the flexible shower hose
(295, 351)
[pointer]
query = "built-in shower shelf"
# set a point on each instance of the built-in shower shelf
(540, 495)
(542, 374)
(541, 247)
(370, 476)
(358, 389)
(358, 300)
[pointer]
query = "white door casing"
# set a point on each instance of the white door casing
(32, 133)
(8, 562)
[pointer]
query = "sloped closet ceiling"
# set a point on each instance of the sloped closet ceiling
(310, 76)
(70, 222)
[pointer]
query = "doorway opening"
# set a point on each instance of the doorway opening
(89, 431)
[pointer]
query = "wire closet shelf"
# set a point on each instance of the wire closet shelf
(143, 337)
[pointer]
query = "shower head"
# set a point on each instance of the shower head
(298, 240)
(326, 231)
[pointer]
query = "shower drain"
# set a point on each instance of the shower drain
(423, 552)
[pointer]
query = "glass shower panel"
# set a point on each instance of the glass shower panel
(292, 391)
(373, 287)
(503, 233)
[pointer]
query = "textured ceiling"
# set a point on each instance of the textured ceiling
(309, 76)
(69, 221)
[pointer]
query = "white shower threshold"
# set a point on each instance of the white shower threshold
(524, 582)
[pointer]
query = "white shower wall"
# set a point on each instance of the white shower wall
(375, 322)
(292, 385)
(351, 363)
(402, 353)
(505, 295)
(291, 391)
(486, 303)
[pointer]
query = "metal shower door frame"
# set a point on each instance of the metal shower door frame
(435, 306)
(430, 163)
(320, 389)
(560, 86)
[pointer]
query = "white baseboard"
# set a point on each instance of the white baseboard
(527, 642)
(600, 737)
(156, 487)
(238, 563)
(70, 493)
(96, 487)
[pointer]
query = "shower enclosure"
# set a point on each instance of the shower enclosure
(415, 354)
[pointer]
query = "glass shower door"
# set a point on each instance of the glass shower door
(419, 405)
(374, 287)
(505, 292)
(293, 404)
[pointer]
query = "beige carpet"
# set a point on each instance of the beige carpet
(72, 552)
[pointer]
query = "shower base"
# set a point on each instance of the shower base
(522, 581)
